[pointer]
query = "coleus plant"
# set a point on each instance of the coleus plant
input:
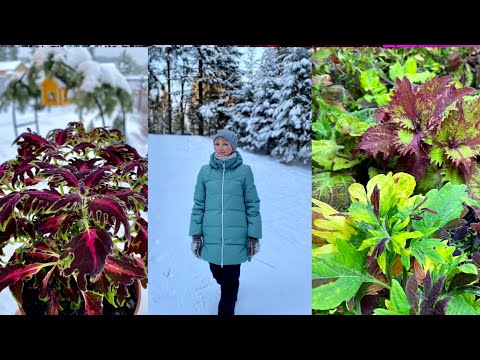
(386, 235)
(426, 127)
(75, 204)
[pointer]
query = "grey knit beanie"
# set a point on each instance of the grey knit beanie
(229, 136)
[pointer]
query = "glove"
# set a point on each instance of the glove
(253, 246)
(197, 243)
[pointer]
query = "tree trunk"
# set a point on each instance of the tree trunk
(200, 93)
(169, 97)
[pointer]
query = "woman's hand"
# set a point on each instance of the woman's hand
(197, 243)
(253, 246)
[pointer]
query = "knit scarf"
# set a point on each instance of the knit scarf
(228, 157)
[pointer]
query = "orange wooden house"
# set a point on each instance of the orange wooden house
(55, 92)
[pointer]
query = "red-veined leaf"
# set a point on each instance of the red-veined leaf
(90, 249)
(93, 303)
(123, 271)
(110, 210)
(14, 273)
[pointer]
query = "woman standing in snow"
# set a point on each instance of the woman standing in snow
(225, 224)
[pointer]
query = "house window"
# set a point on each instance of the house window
(51, 96)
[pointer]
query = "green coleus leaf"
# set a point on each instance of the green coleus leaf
(324, 152)
(332, 188)
(348, 124)
(398, 300)
(346, 271)
(446, 205)
(463, 304)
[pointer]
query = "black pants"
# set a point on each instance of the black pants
(228, 279)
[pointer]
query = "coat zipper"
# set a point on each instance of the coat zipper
(223, 180)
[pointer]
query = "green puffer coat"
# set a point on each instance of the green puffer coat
(226, 210)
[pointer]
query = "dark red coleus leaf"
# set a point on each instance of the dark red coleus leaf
(54, 224)
(81, 148)
(69, 202)
(110, 210)
(90, 249)
(99, 177)
(129, 197)
(23, 170)
(375, 200)
(123, 270)
(379, 139)
(81, 165)
(411, 289)
(25, 228)
(77, 126)
(17, 290)
(144, 191)
(53, 306)
(39, 253)
(14, 273)
(7, 205)
(10, 230)
(141, 168)
(44, 288)
(93, 303)
(111, 157)
(49, 156)
(32, 144)
(139, 243)
(58, 176)
(38, 200)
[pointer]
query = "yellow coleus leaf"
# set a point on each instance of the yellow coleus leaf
(333, 225)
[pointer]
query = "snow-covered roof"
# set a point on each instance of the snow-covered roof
(9, 65)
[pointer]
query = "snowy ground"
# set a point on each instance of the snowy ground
(277, 281)
(49, 119)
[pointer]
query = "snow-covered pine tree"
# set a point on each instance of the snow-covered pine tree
(218, 75)
(126, 63)
(242, 111)
(292, 117)
(259, 126)
(240, 114)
